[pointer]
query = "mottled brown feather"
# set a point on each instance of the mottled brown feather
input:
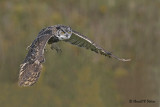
(31, 68)
(82, 41)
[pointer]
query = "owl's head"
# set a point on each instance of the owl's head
(63, 32)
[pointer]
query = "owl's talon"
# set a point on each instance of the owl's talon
(54, 46)
(32, 66)
(45, 50)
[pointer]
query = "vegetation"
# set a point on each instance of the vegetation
(80, 78)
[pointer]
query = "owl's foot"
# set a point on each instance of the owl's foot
(57, 48)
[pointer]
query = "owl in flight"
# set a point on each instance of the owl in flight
(30, 69)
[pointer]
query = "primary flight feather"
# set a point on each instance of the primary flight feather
(31, 67)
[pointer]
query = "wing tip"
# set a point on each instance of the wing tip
(125, 60)
(120, 59)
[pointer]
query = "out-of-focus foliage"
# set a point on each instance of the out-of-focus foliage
(80, 78)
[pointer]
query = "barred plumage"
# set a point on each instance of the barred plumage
(32, 65)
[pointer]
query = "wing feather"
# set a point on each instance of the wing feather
(31, 68)
(82, 41)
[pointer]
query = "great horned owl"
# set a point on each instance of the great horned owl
(31, 67)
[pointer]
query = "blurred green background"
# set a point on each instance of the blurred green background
(77, 77)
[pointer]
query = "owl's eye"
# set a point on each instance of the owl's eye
(62, 33)
(69, 32)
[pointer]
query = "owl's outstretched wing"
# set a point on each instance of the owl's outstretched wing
(31, 67)
(82, 41)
